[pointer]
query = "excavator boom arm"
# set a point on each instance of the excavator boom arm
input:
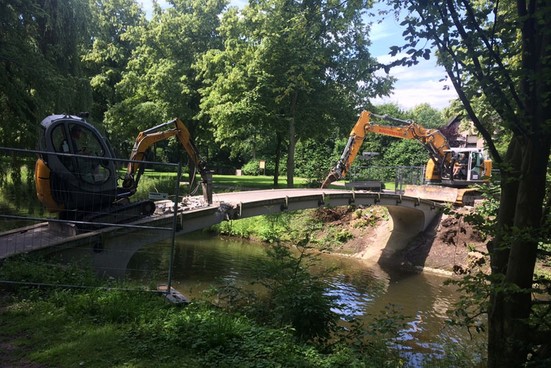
(148, 137)
(355, 140)
(435, 142)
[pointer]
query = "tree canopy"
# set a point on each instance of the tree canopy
(288, 71)
(40, 46)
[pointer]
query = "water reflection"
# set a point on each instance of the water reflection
(363, 290)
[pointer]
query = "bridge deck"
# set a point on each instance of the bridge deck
(230, 205)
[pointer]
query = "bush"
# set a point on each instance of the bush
(294, 296)
(253, 168)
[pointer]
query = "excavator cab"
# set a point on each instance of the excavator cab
(76, 173)
(467, 166)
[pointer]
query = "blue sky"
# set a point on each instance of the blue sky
(416, 85)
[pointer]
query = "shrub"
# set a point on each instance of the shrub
(253, 168)
(294, 296)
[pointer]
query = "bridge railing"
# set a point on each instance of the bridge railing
(400, 175)
(61, 238)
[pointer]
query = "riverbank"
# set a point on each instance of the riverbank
(106, 328)
(450, 246)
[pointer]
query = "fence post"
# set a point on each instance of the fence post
(174, 226)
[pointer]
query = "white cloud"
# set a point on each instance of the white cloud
(380, 32)
(418, 84)
(430, 92)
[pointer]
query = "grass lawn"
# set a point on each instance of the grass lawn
(236, 182)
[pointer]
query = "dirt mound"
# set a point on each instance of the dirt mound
(453, 245)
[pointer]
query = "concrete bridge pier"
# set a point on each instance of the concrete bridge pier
(407, 223)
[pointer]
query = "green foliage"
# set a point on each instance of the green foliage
(312, 160)
(105, 328)
(40, 65)
(294, 296)
(162, 184)
(370, 339)
(266, 228)
(475, 287)
(427, 116)
(107, 56)
(269, 85)
(253, 168)
(332, 237)
(368, 217)
(31, 269)
(17, 189)
(406, 153)
(484, 216)
(472, 307)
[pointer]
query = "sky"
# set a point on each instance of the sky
(416, 85)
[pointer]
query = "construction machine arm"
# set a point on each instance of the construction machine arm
(148, 137)
(433, 140)
(355, 140)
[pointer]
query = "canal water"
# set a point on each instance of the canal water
(364, 289)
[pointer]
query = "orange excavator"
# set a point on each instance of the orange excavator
(76, 173)
(456, 169)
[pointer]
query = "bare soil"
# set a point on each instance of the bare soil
(449, 246)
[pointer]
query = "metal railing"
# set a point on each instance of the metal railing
(27, 227)
(400, 175)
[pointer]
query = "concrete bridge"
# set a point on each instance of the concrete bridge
(111, 248)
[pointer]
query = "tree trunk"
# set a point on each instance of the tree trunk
(499, 250)
(277, 160)
(292, 143)
(514, 250)
(291, 154)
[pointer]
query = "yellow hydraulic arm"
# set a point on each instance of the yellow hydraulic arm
(435, 142)
(148, 137)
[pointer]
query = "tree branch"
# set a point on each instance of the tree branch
(456, 81)
(494, 56)
(504, 109)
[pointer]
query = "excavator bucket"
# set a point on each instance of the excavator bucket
(432, 192)
(333, 176)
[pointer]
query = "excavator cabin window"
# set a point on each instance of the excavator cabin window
(74, 139)
(461, 166)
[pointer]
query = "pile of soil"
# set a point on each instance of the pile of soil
(451, 245)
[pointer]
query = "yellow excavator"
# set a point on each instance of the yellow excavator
(449, 173)
(76, 172)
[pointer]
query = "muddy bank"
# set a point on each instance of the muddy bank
(449, 246)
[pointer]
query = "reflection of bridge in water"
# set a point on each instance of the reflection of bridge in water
(409, 217)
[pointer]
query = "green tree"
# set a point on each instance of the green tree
(110, 48)
(288, 70)
(501, 50)
(405, 153)
(159, 81)
(40, 42)
(427, 116)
